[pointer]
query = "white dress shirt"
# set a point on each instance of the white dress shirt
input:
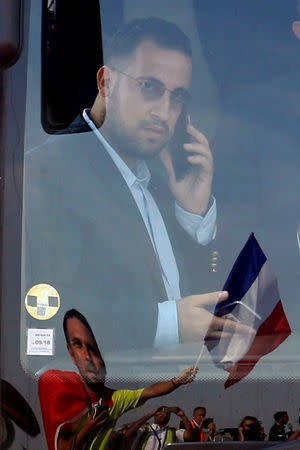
(202, 229)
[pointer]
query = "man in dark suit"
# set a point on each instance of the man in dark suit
(112, 246)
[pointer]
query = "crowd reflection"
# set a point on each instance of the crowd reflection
(79, 410)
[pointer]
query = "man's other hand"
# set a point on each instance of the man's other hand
(195, 322)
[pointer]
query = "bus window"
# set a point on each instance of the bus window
(68, 70)
(156, 138)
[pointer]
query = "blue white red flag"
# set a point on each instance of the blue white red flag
(253, 301)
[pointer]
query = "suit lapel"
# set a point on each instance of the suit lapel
(114, 208)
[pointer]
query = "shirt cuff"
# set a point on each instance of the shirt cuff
(201, 229)
(167, 324)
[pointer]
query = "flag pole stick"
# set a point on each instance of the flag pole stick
(199, 356)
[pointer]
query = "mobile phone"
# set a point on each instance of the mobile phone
(178, 154)
(206, 422)
(171, 409)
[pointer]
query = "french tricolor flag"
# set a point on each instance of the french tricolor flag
(253, 301)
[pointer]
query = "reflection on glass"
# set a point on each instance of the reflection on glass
(125, 193)
(122, 223)
(15, 409)
(79, 410)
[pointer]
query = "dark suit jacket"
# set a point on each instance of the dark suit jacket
(86, 237)
(277, 433)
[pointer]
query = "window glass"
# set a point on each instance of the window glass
(121, 225)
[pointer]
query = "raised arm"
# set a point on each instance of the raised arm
(135, 426)
(165, 387)
(295, 435)
(188, 432)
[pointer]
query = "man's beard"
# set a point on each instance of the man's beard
(134, 145)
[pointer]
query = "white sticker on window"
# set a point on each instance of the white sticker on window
(40, 341)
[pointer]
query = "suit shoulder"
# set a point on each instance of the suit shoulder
(62, 147)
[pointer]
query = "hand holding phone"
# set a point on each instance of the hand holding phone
(206, 422)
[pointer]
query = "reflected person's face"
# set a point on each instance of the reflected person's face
(211, 428)
(136, 123)
(199, 415)
(85, 353)
(161, 417)
(247, 424)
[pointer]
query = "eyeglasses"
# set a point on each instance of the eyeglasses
(152, 89)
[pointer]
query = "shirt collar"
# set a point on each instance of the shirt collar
(141, 175)
(158, 428)
(197, 425)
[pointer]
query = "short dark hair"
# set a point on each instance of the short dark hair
(254, 419)
(199, 407)
(162, 32)
(74, 314)
(279, 415)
